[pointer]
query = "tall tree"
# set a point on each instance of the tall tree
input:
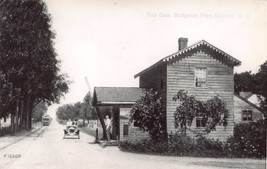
(87, 112)
(66, 112)
(244, 82)
(28, 58)
(255, 83)
(261, 86)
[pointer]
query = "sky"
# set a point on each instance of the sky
(110, 41)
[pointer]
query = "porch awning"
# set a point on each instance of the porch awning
(116, 95)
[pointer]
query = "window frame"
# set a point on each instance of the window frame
(123, 131)
(195, 78)
(247, 114)
(199, 118)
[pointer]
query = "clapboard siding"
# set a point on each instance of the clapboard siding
(136, 133)
(156, 78)
(240, 105)
(180, 76)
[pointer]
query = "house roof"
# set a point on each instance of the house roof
(248, 102)
(116, 95)
(202, 45)
(246, 95)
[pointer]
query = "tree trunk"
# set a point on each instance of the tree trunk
(21, 113)
(24, 114)
(12, 123)
(30, 114)
(29, 107)
(27, 113)
(17, 116)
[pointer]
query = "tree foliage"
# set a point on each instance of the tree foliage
(244, 82)
(87, 112)
(28, 64)
(68, 111)
(148, 114)
(212, 111)
(261, 86)
(39, 110)
(78, 110)
(255, 83)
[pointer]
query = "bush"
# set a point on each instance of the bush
(147, 113)
(144, 146)
(249, 140)
(210, 147)
(177, 145)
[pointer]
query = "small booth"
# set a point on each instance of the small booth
(116, 102)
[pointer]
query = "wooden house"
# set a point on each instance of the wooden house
(246, 111)
(201, 69)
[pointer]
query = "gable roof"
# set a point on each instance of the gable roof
(245, 95)
(116, 95)
(190, 50)
(248, 102)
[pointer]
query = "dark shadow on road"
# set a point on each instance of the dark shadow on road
(228, 164)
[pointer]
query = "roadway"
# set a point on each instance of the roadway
(46, 149)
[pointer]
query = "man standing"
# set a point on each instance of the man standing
(108, 126)
(69, 123)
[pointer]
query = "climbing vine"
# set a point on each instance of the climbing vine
(212, 112)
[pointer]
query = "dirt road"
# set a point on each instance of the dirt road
(45, 149)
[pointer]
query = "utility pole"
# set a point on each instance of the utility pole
(88, 85)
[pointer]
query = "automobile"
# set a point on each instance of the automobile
(71, 131)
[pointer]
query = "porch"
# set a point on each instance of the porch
(116, 102)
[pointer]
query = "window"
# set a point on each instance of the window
(199, 120)
(200, 77)
(247, 115)
(125, 130)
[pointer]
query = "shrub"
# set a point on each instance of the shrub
(177, 145)
(148, 146)
(210, 147)
(180, 144)
(148, 114)
(249, 140)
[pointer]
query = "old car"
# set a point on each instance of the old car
(71, 131)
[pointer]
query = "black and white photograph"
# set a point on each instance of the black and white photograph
(124, 84)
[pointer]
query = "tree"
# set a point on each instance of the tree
(148, 114)
(82, 110)
(66, 112)
(213, 112)
(38, 111)
(28, 59)
(87, 112)
(254, 83)
(244, 82)
(261, 86)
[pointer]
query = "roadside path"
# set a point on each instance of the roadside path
(8, 140)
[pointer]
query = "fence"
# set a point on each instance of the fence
(5, 130)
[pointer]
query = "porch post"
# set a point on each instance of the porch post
(100, 116)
